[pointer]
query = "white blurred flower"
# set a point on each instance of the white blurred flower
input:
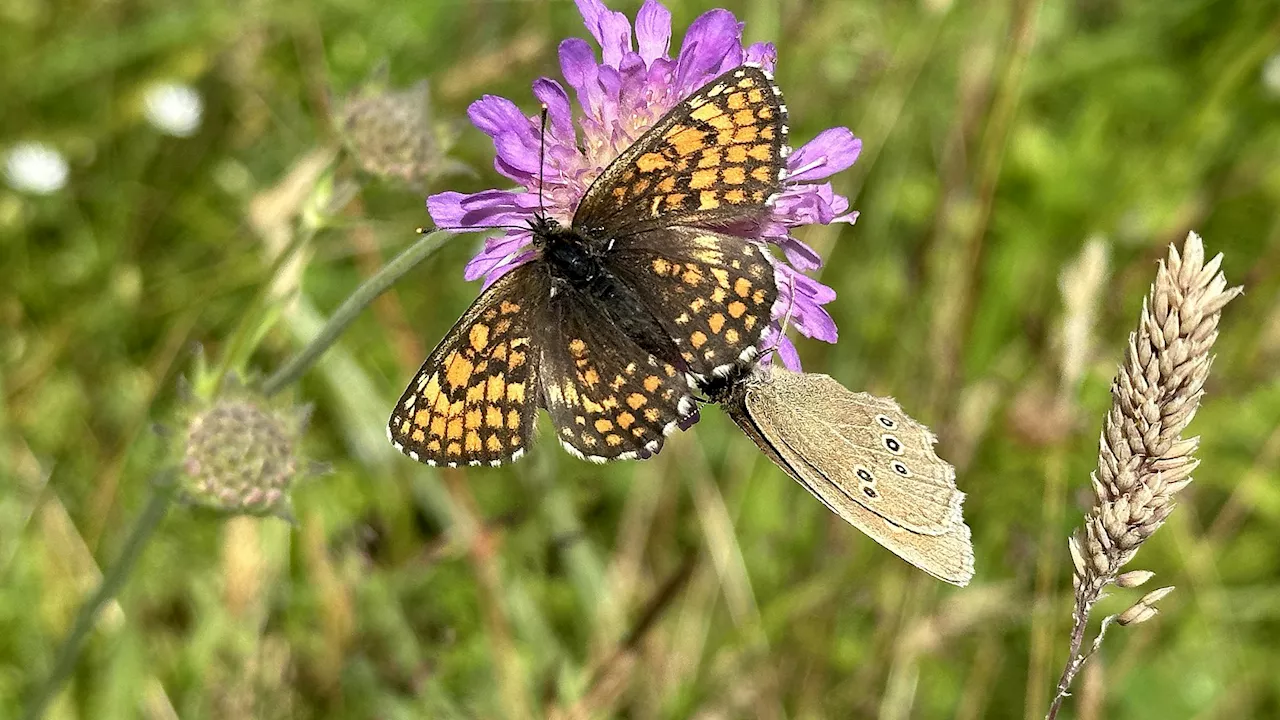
(35, 168)
(1271, 75)
(174, 108)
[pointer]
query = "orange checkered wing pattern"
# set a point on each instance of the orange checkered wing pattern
(609, 398)
(711, 292)
(717, 157)
(476, 397)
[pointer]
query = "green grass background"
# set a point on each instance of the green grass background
(998, 137)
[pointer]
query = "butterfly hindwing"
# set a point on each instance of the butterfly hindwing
(475, 399)
(718, 156)
(822, 434)
(865, 445)
(609, 398)
(712, 292)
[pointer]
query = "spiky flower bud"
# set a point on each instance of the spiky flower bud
(239, 456)
(391, 135)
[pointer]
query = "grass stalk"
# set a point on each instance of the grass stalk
(112, 580)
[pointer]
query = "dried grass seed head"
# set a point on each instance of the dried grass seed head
(1143, 460)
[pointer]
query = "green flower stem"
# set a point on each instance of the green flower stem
(240, 337)
(112, 581)
(351, 307)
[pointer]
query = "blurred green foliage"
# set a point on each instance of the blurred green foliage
(998, 138)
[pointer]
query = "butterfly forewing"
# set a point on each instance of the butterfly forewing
(609, 398)
(476, 397)
(716, 157)
(711, 292)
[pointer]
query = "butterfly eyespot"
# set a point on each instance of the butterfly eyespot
(870, 492)
(900, 468)
(886, 422)
(864, 475)
(892, 444)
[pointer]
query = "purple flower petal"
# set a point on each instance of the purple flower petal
(763, 54)
(610, 81)
(787, 352)
(803, 297)
(514, 137)
(497, 250)
(481, 210)
(733, 57)
(830, 152)
(811, 289)
(850, 217)
(811, 204)
(611, 29)
(801, 256)
(578, 65)
(772, 340)
(507, 265)
(813, 321)
(497, 116)
(653, 31)
(559, 111)
(710, 38)
(661, 73)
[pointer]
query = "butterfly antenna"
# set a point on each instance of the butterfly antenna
(542, 155)
(542, 209)
(423, 230)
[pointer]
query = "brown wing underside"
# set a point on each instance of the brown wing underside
(791, 416)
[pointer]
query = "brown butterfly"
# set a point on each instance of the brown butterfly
(859, 454)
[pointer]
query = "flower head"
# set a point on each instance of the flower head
(35, 168)
(619, 96)
(391, 134)
(174, 108)
(239, 455)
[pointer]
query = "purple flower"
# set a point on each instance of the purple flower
(618, 100)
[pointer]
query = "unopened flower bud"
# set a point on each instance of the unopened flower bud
(390, 134)
(240, 457)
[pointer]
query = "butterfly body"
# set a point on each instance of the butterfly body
(572, 257)
(617, 315)
(577, 262)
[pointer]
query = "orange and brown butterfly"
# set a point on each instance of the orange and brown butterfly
(617, 317)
